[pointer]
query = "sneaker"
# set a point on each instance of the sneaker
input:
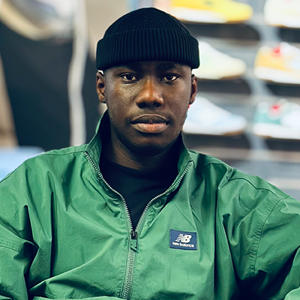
(215, 65)
(210, 11)
(280, 120)
(282, 13)
(204, 117)
(280, 64)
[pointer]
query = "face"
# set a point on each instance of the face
(147, 104)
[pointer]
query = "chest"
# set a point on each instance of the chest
(94, 253)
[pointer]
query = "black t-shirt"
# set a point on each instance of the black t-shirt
(137, 188)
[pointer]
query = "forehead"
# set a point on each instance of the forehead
(152, 65)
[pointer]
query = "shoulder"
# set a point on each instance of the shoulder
(235, 190)
(251, 191)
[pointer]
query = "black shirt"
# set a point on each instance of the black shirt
(137, 187)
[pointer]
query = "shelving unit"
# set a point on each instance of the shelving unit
(275, 160)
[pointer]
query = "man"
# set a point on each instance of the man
(134, 214)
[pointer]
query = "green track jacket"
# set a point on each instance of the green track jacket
(215, 233)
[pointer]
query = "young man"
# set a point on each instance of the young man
(134, 214)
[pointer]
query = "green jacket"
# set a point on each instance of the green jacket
(215, 233)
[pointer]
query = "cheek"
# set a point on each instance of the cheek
(180, 114)
(180, 110)
(180, 104)
(114, 99)
(119, 94)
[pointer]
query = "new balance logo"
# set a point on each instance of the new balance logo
(183, 240)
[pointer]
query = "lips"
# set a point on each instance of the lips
(150, 123)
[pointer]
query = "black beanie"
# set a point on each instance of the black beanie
(147, 34)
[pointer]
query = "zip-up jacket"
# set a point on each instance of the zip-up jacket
(215, 233)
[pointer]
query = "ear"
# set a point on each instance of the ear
(193, 89)
(100, 86)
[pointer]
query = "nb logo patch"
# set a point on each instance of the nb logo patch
(183, 240)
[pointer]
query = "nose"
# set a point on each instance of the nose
(150, 94)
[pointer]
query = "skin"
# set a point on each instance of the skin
(147, 104)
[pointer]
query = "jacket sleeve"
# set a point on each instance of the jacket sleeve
(16, 248)
(19, 243)
(13, 265)
(277, 260)
(262, 227)
(268, 256)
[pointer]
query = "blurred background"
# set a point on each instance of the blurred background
(247, 112)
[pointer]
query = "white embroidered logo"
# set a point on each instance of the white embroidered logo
(183, 238)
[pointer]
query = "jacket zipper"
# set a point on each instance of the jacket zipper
(134, 236)
(133, 239)
(130, 265)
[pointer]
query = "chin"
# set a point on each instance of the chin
(149, 149)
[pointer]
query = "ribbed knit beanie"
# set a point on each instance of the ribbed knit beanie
(146, 34)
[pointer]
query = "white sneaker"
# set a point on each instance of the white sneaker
(204, 117)
(280, 120)
(282, 13)
(215, 65)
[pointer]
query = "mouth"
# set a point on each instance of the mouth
(150, 123)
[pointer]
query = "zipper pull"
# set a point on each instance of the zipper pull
(133, 241)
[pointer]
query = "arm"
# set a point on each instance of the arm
(266, 250)
(25, 250)
(262, 228)
(13, 265)
(278, 254)
(16, 250)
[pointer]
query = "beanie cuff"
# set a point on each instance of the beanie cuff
(145, 45)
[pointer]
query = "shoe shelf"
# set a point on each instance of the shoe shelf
(242, 41)
(255, 150)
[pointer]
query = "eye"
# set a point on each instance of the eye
(129, 77)
(169, 77)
